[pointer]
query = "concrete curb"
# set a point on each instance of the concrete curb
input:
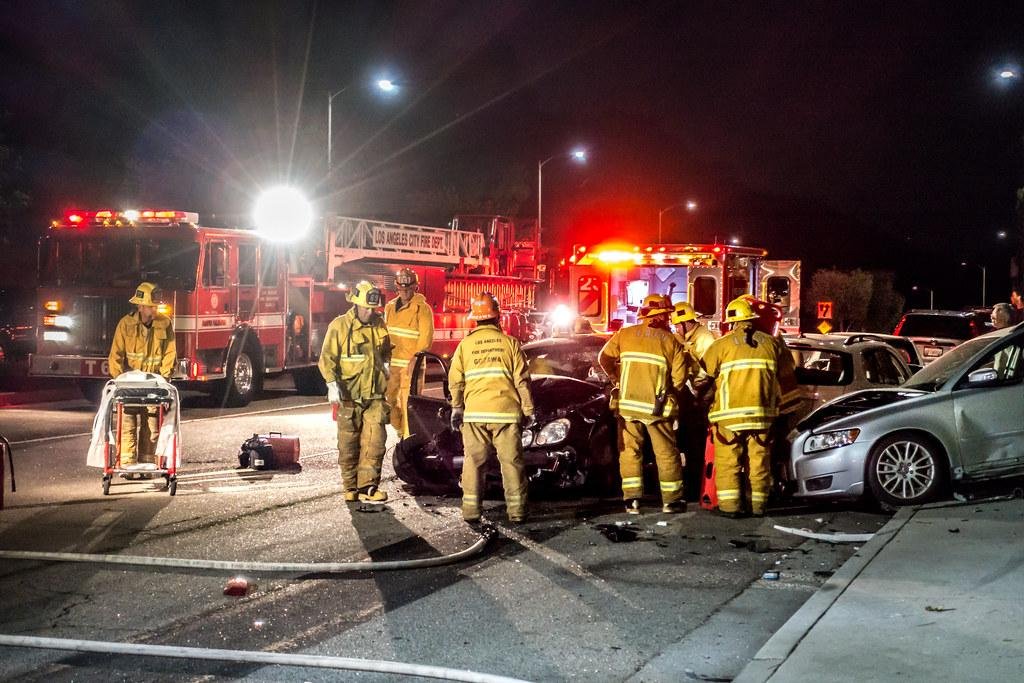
(774, 652)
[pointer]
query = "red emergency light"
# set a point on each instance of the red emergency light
(127, 218)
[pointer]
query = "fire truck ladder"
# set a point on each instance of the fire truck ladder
(354, 239)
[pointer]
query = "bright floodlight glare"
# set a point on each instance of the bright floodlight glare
(283, 214)
(561, 316)
(386, 85)
(735, 240)
(1007, 74)
(579, 154)
(691, 205)
(1001, 234)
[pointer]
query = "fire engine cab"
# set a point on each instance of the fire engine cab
(606, 284)
(244, 307)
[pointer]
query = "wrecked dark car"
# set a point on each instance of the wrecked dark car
(572, 446)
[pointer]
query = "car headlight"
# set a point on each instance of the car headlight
(837, 439)
(527, 438)
(553, 432)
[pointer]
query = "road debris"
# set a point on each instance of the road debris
(932, 608)
(837, 537)
(618, 533)
(237, 587)
(770, 576)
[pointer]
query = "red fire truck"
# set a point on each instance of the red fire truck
(607, 283)
(243, 307)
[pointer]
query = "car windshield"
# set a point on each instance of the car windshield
(117, 262)
(940, 326)
(933, 376)
(575, 358)
(822, 367)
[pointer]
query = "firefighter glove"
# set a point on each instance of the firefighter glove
(333, 392)
(457, 414)
(529, 421)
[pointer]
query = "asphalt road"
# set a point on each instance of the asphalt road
(556, 599)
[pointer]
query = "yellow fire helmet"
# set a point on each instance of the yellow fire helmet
(739, 310)
(683, 312)
(654, 305)
(365, 294)
(484, 307)
(147, 294)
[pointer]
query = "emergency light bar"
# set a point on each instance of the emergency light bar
(108, 218)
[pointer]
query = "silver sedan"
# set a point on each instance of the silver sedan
(961, 418)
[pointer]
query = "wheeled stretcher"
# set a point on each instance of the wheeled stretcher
(140, 392)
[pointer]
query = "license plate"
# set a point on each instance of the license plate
(932, 351)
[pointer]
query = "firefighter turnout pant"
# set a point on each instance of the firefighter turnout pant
(666, 455)
(140, 428)
(397, 394)
(478, 439)
(736, 453)
(361, 437)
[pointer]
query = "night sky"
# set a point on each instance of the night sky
(855, 134)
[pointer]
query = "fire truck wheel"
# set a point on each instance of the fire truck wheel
(92, 390)
(244, 379)
(309, 381)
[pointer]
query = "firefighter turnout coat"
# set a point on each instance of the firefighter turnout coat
(489, 378)
(149, 348)
(355, 355)
(650, 366)
(411, 328)
(747, 378)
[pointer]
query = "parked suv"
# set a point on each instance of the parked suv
(934, 333)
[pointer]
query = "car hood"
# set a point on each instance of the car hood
(856, 403)
(556, 396)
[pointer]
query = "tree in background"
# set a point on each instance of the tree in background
(861, 300)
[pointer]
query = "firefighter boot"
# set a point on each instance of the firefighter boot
(372, 494)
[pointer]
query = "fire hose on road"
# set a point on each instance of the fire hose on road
(254, 657)
(486, 535)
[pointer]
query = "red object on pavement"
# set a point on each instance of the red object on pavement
(286, 449)
(709, 492)
(236, 587)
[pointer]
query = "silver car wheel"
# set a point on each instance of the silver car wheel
(906, 469)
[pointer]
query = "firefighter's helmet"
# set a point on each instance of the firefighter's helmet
(484, 307)
(406, 277)
(683, 312)
(739, 310)
(654, 305)
(147, 294)
(365, 294)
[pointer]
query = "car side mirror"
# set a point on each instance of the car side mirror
(980, 378)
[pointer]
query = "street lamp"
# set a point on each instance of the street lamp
(690, 204)
(931, 296)
(578, 155)
(984, 280)
(384, 85)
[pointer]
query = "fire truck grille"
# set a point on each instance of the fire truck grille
(95, 321)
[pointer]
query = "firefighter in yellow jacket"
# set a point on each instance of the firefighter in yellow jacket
(692, 434)
(749, 368)
(410, 322)
(650, 368)
(491, 404)
(143, 340)
(353, 362)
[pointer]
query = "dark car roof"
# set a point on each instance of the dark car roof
(940, 324)
(586, 340)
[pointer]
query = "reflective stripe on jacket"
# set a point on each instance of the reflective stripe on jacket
(410, 327)
(355, 355)
(488, 377)
(746, 365)
(149, 348)
(650, 366)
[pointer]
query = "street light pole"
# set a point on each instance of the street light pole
(330, 127)
(691, 206)
(577, 154)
